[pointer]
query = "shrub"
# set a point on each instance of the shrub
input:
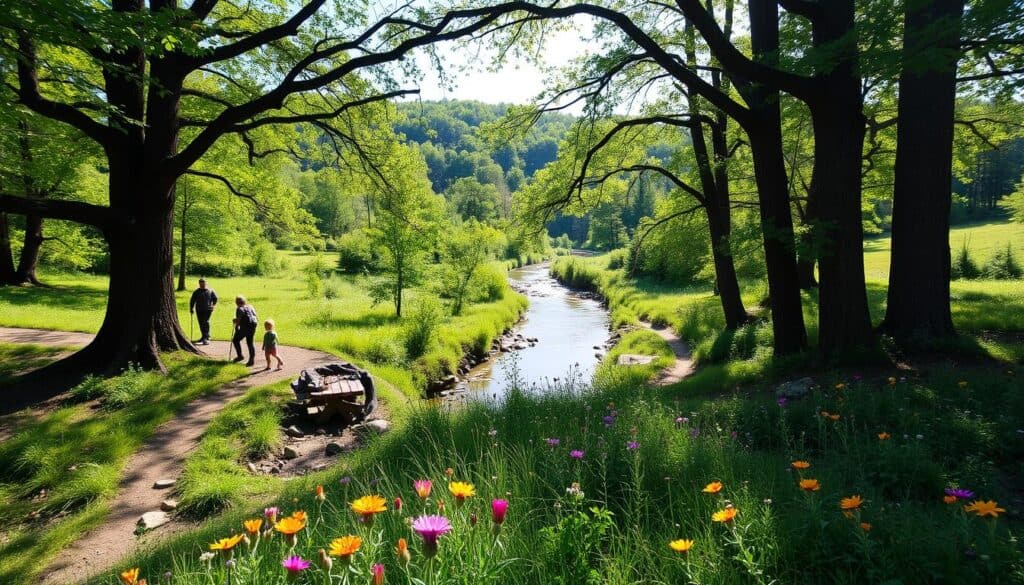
(265, 261)
(421, 326)
(488, 285)
(383, 350)
(617, 259)
(127, 388)
(332, 288)
(964, 267)
(89, 388)
(356, 254)
(1003, 265)
(314, 285)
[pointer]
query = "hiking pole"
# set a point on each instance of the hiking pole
(231, 341)
(191, 326)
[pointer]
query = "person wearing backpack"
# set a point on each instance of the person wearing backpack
(245, 327)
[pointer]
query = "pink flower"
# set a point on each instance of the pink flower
(430, 528)
(632, 445)
(422, 488)
(378, 574)
(398, 504)
(294, 565)
(576, 454)
(271, 514)
(498, 510)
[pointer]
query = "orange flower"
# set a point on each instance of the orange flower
(824, 414)
(833, 417)
(984, 508)
(290, 525)
(345, 547)
(299, 515)
(840, 386)
(865, 527)
(883, 436)
(725, 515)
(253, 526)
(130, 576)
(682, 545)
(949, 499)
(402, 551)
(320, 493)
(850, 504)
(800, 465)
(713, 487)
(810, 485)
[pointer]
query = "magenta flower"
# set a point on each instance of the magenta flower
(378, 574)
(632, 445)
(498, 510)
(608, 420)
(960, 494)
(271, 514)
(430, 528)
(295, 565)
(782, 402)
(422, 488)
(552, 442)
(576, 454)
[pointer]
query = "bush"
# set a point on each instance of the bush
(314, 285)
(488, 285)
(356, 254)
(265, 261)
(964, 267)
(332, 288)
(617, 259)
(1003, 265)
(383, 350)
(420, 328)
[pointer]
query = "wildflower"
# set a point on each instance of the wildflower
(949, 499)
(575, 491)
(552, 442)
(345, 547)
(576, 454)
(440, 506)
(325, 561)
(253, 526)
(883, 436)
(378, 574)
(472, 519)
(492, 433)
(984, 508)
(680, 420)
(782, 402)
(959, 493)
(430, 528)
(810, 485)
(833, 417)
(422, 487)
(290, 527)
(344, 481)
(713, 487)
(850, 504)
(498, 510)
(271, 514)
(682, 545)
(725, 515)
(402, 551)
(840, 386)
(800, 464)
(866, 527)
(892, 380)
(632, 445)
(449, 472)
(962, 384)
(206, 557)
(295, 565)
(320, 493)
(367, 506)
(608, 420)
(461, 490)
(130, 576)
(299, 515)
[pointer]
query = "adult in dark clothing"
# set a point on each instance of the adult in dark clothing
(202, 303)
(245, 327)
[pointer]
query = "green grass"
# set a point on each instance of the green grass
(636, 501)
(59, 469)
(16, 358)
(348, 325)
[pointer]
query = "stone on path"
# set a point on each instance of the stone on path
(169, 505)
(294, 432)
(290, 453)
(376, 426)
(154, 519)
(162, 484)
(332, 449)
(635, 359)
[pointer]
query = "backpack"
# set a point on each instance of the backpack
(250, 315)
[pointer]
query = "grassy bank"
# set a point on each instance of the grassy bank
(647, 456)
(59, 470)
(341, 320)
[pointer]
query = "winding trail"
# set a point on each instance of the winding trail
(161, 457)
(683, 365)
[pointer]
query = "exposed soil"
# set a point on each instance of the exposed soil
(683, 365)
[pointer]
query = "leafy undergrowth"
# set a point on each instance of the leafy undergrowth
(601, 479)
(58, 471)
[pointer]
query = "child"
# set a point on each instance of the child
(270, 344)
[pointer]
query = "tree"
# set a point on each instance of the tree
(464, 250)
(471, 199)
(136, 96)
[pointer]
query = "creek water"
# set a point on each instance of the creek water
(566, 325)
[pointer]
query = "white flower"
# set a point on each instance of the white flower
(206, 557)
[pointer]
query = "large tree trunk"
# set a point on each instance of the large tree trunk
(765, 133)
(6, 257)
(29, 259)
(919, 268)
(725, 271)
(844, 322)
(182, 252)
(807, 249)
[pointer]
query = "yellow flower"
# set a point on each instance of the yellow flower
(810, 485)
(949, 499)
(892, 380)
(226, 544)
(299, 515)
(130, 576)
(866, 527)
(290, 525)
(883, 436)
(962, 384)
(800, 464)
(461, 490)
(367, 506)
(848, 505)
(725, 515)
(840, 386)
(713, 487)
(984, 508)
(345, 547)
(253, 526)
(682, 545)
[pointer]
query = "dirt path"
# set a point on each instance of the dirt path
(683, 365)
(161, 457)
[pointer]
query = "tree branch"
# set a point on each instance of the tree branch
(95, 215)
(251, 198)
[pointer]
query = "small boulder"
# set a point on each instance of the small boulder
(162, 484)
(251, 467)
(377, 426)
(332, 449)
(633, 359)
(169, 505)
(795, 388)
(294, 432)
(290, 453)
(154, 519)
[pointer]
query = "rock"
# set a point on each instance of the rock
(377, 427)
(318, 467)
(290, 453)
(162, 484)
(633, 359)
(520, 346)
(795, 388)
(169, 505)
(320, 432)
(597, 347)
(599, 355)
(251, 467)
(332, 449)
(275, 470)
(295, 432)
(154, 519)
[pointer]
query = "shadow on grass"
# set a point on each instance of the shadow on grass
(76, 297)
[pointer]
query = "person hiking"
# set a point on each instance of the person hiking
(202, 303)
(245, 327)
(270, 344)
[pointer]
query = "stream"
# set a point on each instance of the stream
(567, 327)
